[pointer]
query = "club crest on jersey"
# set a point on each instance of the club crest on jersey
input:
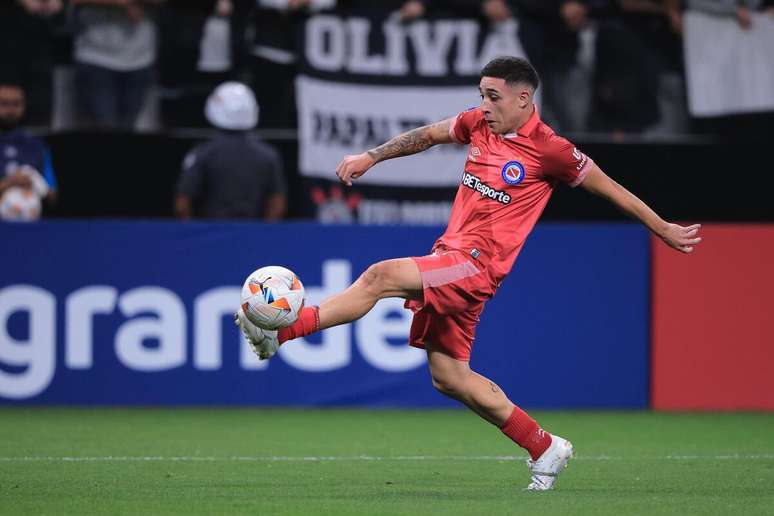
(513, 172)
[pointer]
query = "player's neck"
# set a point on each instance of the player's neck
(523, 118)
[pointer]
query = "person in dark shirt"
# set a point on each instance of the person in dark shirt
(235, 175)
(272, 38)
(201, 43)
(28, 30)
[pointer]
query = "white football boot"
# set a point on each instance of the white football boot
(263, 342)
(548, 466)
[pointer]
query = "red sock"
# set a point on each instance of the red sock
(524, 431)
(308, 322)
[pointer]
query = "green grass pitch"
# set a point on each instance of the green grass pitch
(267, 462)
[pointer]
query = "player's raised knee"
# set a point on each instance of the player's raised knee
(374, 278)
(384, 278)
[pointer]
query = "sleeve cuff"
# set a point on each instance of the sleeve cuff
(583, 171)
(452, 131)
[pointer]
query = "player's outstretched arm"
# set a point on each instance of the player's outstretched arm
(405, 144)
(682, 238)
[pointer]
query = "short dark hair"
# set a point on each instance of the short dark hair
(513, 70)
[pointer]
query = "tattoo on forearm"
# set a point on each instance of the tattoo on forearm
(494, 387)
(404, 144)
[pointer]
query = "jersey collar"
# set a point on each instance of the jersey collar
(528, 126)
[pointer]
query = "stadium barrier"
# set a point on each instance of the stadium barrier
(104, 174)
(138, 313)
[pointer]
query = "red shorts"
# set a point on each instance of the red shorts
(455, 290)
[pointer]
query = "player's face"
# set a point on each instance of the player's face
(11, 106)
(504, 105)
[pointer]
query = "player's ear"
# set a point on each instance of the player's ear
(524, 94)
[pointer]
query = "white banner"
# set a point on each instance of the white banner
(338, 118)
(729, 70)
(367, 77)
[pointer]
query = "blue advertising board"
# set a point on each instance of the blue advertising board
(139, 313)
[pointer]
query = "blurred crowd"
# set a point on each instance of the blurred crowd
(608, 66)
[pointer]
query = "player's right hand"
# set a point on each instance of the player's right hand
(354, 166)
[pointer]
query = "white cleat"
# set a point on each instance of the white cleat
(548, 466)
(263, 342)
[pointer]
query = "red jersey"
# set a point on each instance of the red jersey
(506, 184)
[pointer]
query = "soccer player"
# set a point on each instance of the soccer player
(514, 163)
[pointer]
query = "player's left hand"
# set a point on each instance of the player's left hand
(682, 238)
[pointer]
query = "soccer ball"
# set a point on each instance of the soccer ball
(272, 297)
